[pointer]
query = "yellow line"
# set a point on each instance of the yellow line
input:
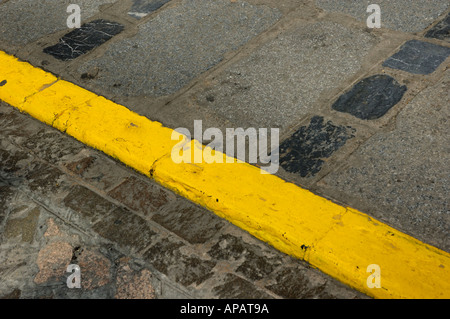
(340, 241)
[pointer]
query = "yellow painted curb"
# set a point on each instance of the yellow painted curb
(340, 241)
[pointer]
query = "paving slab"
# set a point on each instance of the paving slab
(238, 288)
(189, 222)
(178, 44)
(371, 97)
(402, 176)
(142, 8)
(304, 152)
(441, 30)
(138, 195)
(399, 15)
(84, 39)
(23, 22)
(418, 57)
(101, 174)
(278, 84)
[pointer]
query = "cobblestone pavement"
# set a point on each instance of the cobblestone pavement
(63, 203)
(363, 115)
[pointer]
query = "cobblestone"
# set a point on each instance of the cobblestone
(238, 288)
(189, 222)
(371, 98)
(277, 64)
(84, 39)
(418, 57)
(125, 228)
(441, 30)
(88, 204)
(306, 150)
(140, 196)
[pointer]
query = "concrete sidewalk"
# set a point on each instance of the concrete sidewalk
(362, 113)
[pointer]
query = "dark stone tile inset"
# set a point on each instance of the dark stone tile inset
(84, 39)
(141, 8)
(441, 30)
(304, 151)
(371, 97)
(418, 57)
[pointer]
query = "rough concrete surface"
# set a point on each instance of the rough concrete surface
(181, 43)
(400, 15)
(22, 21)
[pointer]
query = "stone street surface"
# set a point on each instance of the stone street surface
(363, 117)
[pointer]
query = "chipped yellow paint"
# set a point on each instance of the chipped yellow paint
(338, 240)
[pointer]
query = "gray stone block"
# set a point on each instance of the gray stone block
(167, 256)
(400, 15)
(235, 287)
(24, 21)
(177, 45)
(126, 229)
(280, 83)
